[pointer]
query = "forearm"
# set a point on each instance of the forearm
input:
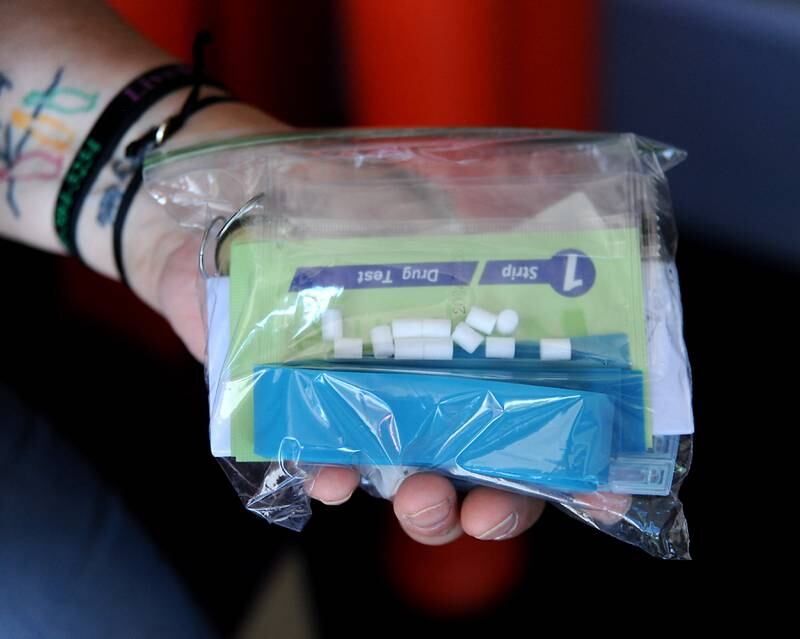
(61, 64)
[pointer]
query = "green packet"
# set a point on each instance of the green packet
(562, 284)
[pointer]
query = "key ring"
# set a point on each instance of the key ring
(227, 225)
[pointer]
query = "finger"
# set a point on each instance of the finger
(605, 508)
(496, 514)
(427, 508)
(332, 485)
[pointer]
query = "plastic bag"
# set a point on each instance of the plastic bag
(499, 306)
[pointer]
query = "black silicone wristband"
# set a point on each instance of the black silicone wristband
(125, 109)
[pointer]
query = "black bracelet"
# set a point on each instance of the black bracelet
(137, 149)
(126, 107)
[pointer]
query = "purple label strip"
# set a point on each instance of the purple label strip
(384, 275)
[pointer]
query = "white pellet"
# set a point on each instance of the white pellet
(409, 348)
(348, 348)
(382, 342)
(500, 347)
(467, 338)
(436, 328)
(507, 321)
(437, 348)
(481, 320)
(404, 328)
(555, 349)
(332, 328)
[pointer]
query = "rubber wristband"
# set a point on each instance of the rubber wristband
(125, 109)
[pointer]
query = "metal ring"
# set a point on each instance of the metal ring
(243, 210)
(202, 256)
(226, 226)
(161, 133)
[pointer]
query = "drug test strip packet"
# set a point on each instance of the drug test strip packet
(498, 306)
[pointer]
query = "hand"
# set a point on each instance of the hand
(163, 270)
(426, 505)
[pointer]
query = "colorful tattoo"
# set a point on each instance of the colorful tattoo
(64, 100)
(35, 124)
(46, 129)
(35, 165)
(112, 195)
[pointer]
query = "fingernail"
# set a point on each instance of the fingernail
(338, 501)
(502, 530)
(430, 517)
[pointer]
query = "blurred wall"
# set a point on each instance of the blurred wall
(392, 63)
(721, 79)
(482, 62)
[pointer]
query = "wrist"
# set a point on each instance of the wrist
(153, 243)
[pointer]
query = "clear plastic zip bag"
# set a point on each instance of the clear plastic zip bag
(498, 306)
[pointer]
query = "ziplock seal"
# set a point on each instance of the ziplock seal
(355, 282)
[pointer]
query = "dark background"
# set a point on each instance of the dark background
(716, 78)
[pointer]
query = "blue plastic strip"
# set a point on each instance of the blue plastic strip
(543, 436)
(624, 387)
